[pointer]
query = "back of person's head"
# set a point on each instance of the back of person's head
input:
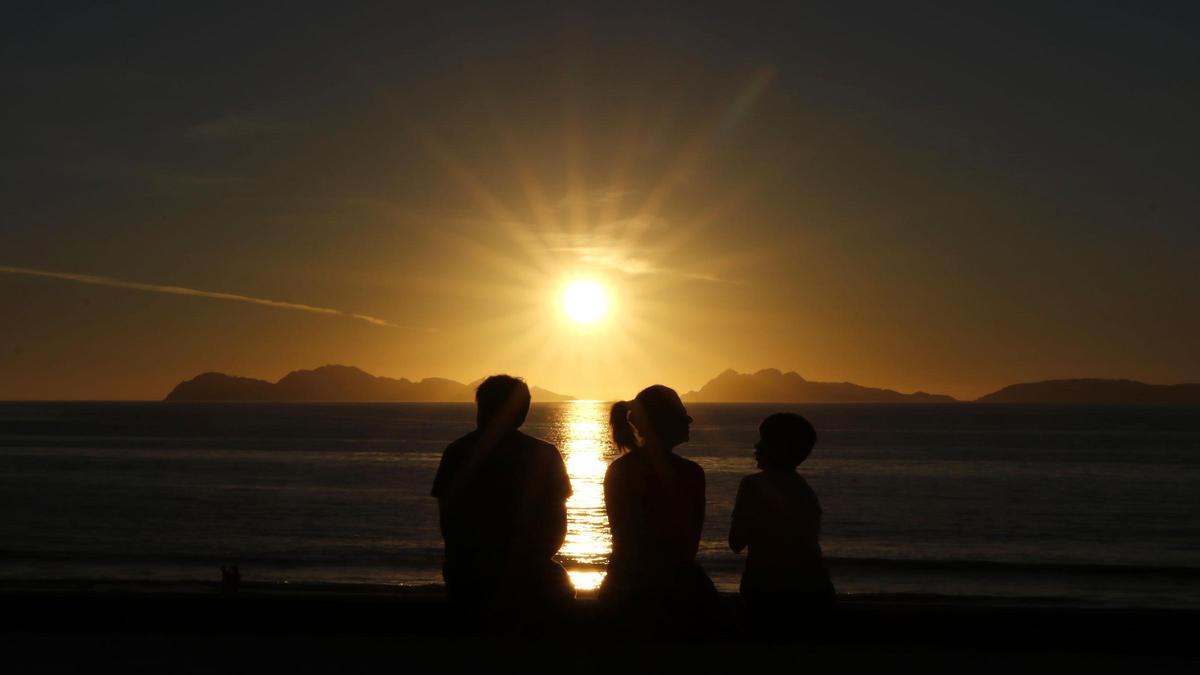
(785, 441)
(655, 416)
(502, 400)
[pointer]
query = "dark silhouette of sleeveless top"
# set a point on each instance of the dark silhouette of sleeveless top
(655, 505)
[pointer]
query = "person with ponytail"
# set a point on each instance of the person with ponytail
(655, 504)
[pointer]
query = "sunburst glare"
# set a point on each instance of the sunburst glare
(585, 301)
(594, 277)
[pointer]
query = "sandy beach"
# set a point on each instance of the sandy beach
(72, 627)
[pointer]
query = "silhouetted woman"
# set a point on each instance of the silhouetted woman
(655, 503)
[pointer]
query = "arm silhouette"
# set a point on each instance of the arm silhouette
(738, 528)
(552, 487)
(696, 514)
(613, 508)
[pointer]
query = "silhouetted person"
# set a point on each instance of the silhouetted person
(502, 507)
(777, 517)
(655, 504)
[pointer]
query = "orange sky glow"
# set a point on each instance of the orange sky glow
(832, 202)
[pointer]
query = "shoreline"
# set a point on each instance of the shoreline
(162, 627)
(1106, 588)
(201, 591)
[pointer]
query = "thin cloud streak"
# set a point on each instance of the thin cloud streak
(193, 292)
(637, 266)
(612, 258)
(603, 249)
(238, 126)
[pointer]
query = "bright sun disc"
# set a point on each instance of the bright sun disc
(585, 301)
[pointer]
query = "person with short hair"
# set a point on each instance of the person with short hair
(777, 520)
(502, 506)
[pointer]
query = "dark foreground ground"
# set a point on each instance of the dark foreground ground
(84, 628)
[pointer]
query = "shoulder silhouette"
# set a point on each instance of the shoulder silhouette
(502, 507)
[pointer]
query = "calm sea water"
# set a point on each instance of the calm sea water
(1072, 504)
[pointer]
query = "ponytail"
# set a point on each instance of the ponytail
(622, 429)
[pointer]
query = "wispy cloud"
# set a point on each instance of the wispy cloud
(237, 126)
(631, 265)
(193, 292)
(602, 250)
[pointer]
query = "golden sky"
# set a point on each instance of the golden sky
(949, 206)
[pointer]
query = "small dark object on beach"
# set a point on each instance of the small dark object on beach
(231, 578)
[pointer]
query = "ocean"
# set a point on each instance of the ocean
(1094, 506)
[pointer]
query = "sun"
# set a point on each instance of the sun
(585, 301)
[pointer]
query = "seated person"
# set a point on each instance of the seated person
(655, 503)
(502, 506)
(777, 517)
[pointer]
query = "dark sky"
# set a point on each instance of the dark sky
(912, 195)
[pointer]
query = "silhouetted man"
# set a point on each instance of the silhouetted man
(502, 506)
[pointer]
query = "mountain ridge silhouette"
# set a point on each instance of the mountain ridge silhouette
(339, 383)
(1095, 390)
(334, 383)
(770, 385)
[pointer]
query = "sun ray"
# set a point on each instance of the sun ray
(618, 236)
(498, 213)
(693, 152)
(573, 165)
(535, 196)
(626, 151)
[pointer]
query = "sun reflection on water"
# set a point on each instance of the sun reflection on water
(581, 433)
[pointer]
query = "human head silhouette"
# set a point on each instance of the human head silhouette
(785, 440)
(655, 419)
(502, 402)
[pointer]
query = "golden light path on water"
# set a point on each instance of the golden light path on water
(581, 434)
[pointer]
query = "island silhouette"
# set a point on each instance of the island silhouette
(1096, 391)
(337, 383)
(773, 386)
(334, 383)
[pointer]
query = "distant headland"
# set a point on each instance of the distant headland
(348, 384)
(1095, 391)
(773, 386)
(333, 383)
